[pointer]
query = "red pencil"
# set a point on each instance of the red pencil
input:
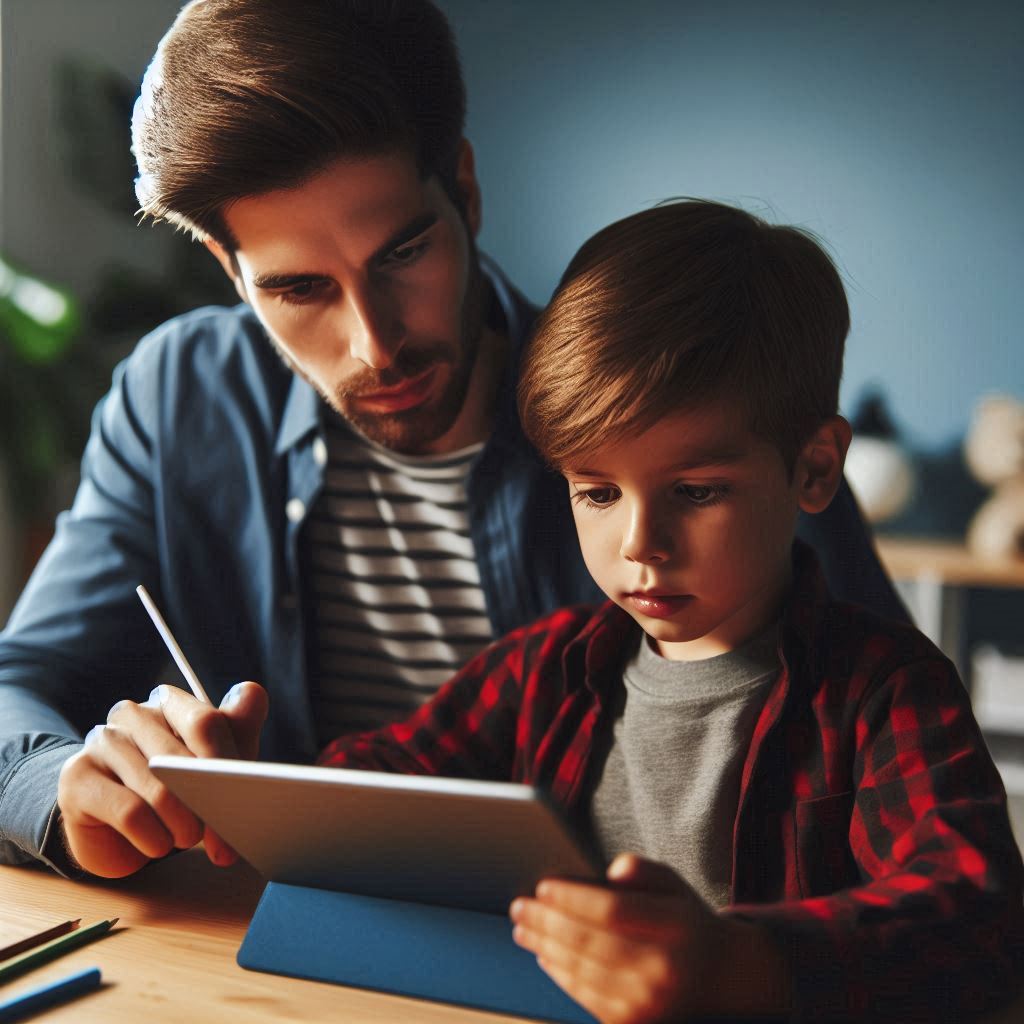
(23, 945)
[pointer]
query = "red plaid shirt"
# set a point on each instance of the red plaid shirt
(871, 837)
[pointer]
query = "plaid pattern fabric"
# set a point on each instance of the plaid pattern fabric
(872, 836)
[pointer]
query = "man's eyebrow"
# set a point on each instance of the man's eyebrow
(404, 234)
(699, 460)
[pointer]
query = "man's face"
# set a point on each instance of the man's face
(688, 527)
(366, 278)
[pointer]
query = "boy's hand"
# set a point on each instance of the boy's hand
(645, 948)
(116, 815)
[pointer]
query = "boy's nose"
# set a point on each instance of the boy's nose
(645, 542)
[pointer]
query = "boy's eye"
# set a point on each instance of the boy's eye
(596, 497)
(702, 494)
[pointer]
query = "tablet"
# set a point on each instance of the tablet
(453, 842)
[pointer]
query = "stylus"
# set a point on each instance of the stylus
(172, 645)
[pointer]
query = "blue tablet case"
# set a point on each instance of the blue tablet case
(412, 949)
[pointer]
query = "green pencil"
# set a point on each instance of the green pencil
(55, 948)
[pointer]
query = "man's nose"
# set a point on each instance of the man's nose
(374, 329)
(645, 540)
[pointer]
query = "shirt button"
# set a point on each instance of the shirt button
(320, 452)
(295, 510)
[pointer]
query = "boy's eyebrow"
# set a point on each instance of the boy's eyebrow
(404, 234)
(699, 460)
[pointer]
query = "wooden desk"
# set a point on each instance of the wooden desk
(171, 957)
(932, 577)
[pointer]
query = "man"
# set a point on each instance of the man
(327, 488)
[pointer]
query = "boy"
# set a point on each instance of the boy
(812, 771)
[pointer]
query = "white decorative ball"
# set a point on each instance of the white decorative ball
(881, 477)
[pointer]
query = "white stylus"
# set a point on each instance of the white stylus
(172, 645)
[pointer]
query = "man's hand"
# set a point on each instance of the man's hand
(116, 815)
(644, 948)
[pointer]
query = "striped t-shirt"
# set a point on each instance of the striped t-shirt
(395, 601)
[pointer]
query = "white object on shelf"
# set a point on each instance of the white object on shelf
(997, 692)
(881, 476)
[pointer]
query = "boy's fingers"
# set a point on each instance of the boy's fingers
(606, 1008)
(547, 931)
(612, 909)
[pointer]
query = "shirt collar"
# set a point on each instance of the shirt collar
(302, 414)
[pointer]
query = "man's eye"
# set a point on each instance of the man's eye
(407, 253)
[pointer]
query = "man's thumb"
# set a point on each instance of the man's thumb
(245, 705)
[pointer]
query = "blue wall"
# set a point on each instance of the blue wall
(894, 130)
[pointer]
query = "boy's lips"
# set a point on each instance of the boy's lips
(406, 395)
(657, 606)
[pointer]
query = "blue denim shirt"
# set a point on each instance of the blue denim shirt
(199, 470)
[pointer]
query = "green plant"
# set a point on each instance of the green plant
(41, 407)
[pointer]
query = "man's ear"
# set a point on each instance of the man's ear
(819, 466)
(229, 264)
(469, 187)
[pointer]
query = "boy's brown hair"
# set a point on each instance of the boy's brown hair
(688, 302)
(244, 97)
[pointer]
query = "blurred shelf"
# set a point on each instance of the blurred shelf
(932, 576)
(947, 562)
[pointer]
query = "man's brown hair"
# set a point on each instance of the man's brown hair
(244, 97)
(688, 302)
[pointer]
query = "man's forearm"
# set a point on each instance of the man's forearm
(36, 742)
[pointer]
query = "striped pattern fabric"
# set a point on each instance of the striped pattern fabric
(395, 596)
(871, 837)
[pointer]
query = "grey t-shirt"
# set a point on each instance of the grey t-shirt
(670, 786)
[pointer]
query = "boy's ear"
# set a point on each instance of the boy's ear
(819, 466)
(229, 266)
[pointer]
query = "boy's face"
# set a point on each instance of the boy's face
(689, 526)
(366, 279)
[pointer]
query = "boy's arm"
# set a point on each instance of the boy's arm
(467, 730)
(936, 930)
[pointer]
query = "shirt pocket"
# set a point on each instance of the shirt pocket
(824, 862)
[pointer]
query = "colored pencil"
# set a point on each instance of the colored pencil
(172, 645)
(23, 945)
(54, 948)
(48, 995)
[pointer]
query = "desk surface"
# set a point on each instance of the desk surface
(171, 957)
(948, 562)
